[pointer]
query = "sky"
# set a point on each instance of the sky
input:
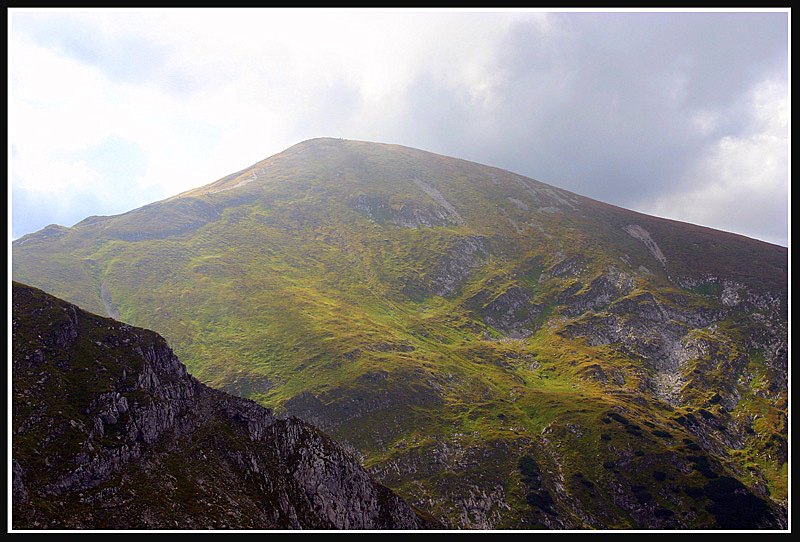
(679, 114)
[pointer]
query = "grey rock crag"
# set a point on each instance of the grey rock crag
(110, 431)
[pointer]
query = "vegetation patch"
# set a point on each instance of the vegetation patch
(701, 464)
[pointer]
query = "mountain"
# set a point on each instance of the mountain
(500, 352)
(110, 431)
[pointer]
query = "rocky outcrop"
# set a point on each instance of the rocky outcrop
(510, 311)
(641, 234)
(447, 271)
(456, 264)
(406, 216)
(601, 291)
(109, 431)
(571, 266)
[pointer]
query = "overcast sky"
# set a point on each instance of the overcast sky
(679, 114)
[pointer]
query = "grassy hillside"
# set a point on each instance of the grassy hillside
(110, 432)
(501, 352)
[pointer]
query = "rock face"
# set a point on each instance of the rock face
(109, 431)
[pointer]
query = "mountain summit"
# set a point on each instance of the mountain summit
(501, 352)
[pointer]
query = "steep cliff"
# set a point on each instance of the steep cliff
(110, 432)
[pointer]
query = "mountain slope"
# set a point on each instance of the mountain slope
(109, 431)
(476, 335)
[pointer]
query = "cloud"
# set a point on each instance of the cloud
(83, 186)
(630, 108)
(741, 183)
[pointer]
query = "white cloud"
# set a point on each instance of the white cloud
(241, 84)
(194, 94)
(741, 184)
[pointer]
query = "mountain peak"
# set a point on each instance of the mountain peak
(502, 351)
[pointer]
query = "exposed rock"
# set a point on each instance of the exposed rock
(405, 216)
(438, 198)
(116, 420)
(510, 311)
(456, 264)
(602, 290)
(641, 234)
(571, 266)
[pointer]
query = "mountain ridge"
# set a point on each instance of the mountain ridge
(301, 145)
(200, 211)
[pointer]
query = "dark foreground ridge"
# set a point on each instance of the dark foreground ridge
(111, 432)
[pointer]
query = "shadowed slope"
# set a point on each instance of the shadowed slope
(110, 432)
